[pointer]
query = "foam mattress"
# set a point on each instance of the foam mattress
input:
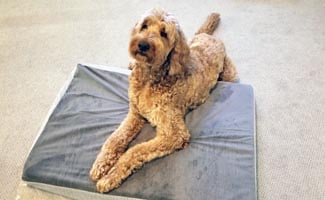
(219, 163)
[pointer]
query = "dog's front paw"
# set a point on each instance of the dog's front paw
(100, 168)
(105, 160)
(108, 182)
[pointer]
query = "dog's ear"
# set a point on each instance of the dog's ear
(180, 55)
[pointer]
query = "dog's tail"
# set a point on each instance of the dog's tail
(210, 24)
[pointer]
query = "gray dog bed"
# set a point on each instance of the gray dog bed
(220, 162)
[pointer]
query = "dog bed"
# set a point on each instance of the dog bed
(219, 163)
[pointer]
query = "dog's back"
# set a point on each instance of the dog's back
(209, 62)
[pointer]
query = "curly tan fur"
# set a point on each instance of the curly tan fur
(169, 77)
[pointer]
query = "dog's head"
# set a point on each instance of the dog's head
(157, 40)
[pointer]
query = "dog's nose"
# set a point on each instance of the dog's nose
(143, 46)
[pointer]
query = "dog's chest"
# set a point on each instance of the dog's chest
(148, 99)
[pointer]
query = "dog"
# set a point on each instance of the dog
(169, 78)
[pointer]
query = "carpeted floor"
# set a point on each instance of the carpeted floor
(278, 46)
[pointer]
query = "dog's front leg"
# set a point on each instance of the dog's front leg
(168, 139)
(116, 144)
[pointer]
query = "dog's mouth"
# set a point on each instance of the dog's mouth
(141, 53)
(142, 56)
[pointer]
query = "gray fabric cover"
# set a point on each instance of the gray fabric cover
(218, 164)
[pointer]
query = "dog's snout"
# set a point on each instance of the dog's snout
(143, 46)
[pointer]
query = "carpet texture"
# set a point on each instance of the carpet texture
(278, 47)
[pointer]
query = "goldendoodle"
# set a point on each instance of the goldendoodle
(169, 77)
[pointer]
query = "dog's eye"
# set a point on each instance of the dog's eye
(144, 26)
(163, 34)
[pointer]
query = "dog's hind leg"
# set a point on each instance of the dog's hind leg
(229, 72)
(168, 139)
(116, 144)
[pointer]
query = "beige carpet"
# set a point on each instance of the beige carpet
(278, 46)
